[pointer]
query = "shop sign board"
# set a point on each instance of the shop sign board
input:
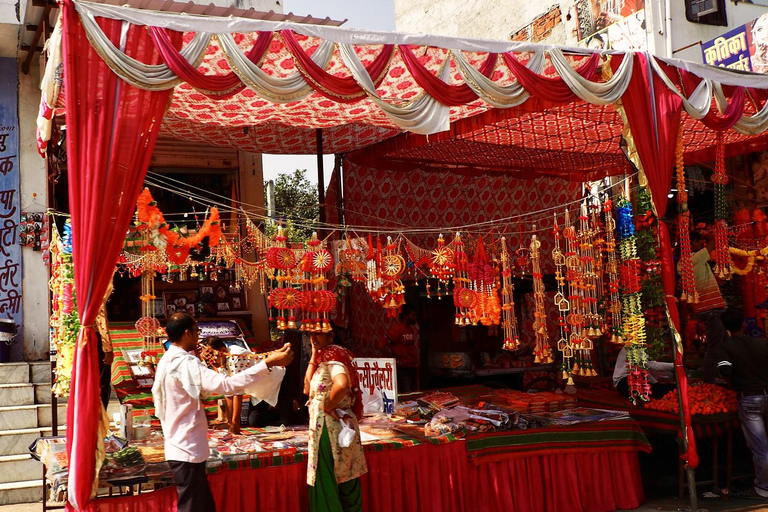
(10, 209)
(744, 48)
(378, 382)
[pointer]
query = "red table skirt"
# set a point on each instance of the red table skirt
(436, 478)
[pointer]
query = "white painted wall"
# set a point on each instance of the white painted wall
(34, 198)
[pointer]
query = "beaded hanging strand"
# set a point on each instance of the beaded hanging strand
(632, 312)
(722, 256)
(564, 345)
(685, 266)
(613, 310)
(542, 351)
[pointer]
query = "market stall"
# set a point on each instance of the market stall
(522, 109)
(536, 456)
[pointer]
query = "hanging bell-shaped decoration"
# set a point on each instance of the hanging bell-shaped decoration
(291, 323)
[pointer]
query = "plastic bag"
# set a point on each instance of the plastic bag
(347, 434)
(373, 403)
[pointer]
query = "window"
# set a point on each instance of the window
(707, 12)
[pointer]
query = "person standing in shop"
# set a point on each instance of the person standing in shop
(710, 307)
(181, 380)
(336, 458)
(403, 344)
(744, 362)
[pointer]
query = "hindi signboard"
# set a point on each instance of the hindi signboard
(378, 382)
(744, 48)
(10, 209)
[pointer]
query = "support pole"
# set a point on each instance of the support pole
(320, 180)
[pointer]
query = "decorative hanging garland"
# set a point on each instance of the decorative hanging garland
(613, 308)
(722, 256)
(685, 265)
(542, 351)
(564, 344)
(464, 298)
(651, 287)
(64, 322)
(633, 328)
(509, 323)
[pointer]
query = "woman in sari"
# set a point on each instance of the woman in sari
(333, 472)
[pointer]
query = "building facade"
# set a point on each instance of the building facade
(669, 28)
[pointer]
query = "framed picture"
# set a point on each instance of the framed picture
(206, 292)
(175, 302)
(221, 293)
(190, 308)
(158, 308)
(237, 302)
(222, 306)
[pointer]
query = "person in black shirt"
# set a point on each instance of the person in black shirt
(744, 360)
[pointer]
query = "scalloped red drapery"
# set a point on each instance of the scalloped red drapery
(112, 129)
(552, 89)
(341, 89)
(217, 86)
(447, 94)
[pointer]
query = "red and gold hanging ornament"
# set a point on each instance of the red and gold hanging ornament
(633, 327)
(564, 344)
(283, 297)
(484, 281)
(722, 256)
(542, 351)
(613, 306)
(441, 266)
(316, 301)
(685, 265)
(392, 269)
(578, 314)
(463, 297)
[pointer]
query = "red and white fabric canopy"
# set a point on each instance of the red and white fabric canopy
(267, 86)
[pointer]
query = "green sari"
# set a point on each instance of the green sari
(327, 495)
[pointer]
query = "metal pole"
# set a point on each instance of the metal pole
(320, 179)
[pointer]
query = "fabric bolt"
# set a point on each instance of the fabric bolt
(194, 494)
(327, 495)
(112, 128)
(349, 463)
(753, 413)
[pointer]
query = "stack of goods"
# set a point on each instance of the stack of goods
(227, 447)
(533, 403)
(439, 401)
(705, 399)
(460, 419)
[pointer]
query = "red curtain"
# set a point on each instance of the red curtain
(447, 94)
(654, 114)
(552, 89)
(341, 89)
(217, 86)
(111, 130)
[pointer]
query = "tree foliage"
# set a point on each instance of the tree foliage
(295, 205)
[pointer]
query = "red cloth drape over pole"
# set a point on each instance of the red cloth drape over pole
(654, 115)
(111, 131)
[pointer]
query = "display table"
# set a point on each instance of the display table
(710, 427)
(447, 475)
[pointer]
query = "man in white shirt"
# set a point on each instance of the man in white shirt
(656, 371)
(180, 381)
